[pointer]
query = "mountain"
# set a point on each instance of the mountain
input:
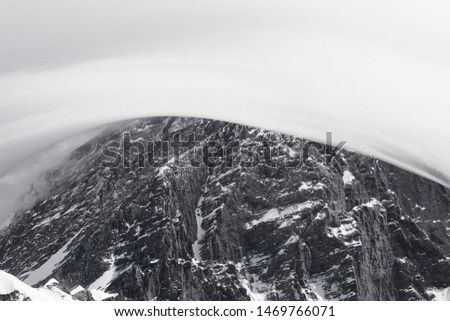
(266, 216)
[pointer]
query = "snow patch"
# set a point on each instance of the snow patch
(420, 207)
(196, 247)
(292, 240)
(345, 232)
(308, 185)
(47, 221)
(441, 294)
(107, 277)
(46, 269)
(348, 177)
(373, 202)
(253, 288)
(270, 215)
(72, 209)
(298, 207)
(98, 295)
(78, 289)
(317, 285)
(274, 213)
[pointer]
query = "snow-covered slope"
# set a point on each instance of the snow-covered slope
(12, 289)
(441, 295)
(19, 291)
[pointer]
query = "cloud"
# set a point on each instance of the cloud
(375, 74)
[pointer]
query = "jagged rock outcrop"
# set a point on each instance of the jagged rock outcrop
(12, 289)
(353, 229)
(14, 296)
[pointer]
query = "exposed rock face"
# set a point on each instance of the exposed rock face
(354, 229)
(13, 296)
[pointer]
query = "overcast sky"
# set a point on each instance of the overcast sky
(376, 74)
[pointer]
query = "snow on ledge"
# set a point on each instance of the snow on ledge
(348, 177)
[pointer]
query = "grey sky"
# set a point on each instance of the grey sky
(375, 73)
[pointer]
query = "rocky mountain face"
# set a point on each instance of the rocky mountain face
(302, 224)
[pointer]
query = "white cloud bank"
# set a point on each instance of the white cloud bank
(376, 73)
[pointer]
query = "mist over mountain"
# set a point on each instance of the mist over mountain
(375, 74)
(307, 223)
